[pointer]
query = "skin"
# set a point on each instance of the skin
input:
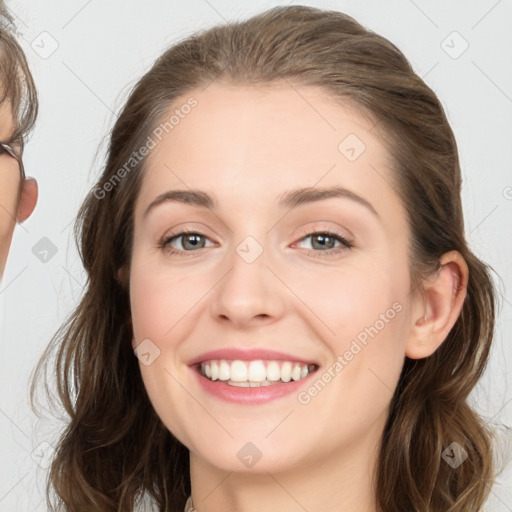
(14, 206)
(245, 146)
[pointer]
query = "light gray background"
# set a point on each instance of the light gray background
(104, 47)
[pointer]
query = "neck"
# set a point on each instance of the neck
(343, 478)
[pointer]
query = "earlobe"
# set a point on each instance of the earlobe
(438, 307)
(28, 199)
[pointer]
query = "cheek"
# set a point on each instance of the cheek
(157, 305)
(369, 311)
(363, 320)
(350, 302)
(159, 299)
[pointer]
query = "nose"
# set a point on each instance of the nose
(249, 293)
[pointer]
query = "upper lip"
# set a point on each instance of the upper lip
(248, 355)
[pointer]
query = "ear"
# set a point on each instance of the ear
(28, 199)
(437, 306)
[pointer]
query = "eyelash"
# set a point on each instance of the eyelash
(347, 244)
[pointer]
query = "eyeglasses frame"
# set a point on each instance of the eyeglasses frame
(8, 148)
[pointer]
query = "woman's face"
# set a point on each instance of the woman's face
(257, 286)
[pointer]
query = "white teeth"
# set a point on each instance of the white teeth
(224, 371)
(273, 371)
(249, 384)
(254, 373)
(286, 372)
(214, 370)
(257, 371)
(238, 371)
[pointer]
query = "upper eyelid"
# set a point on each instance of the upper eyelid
(320, 230)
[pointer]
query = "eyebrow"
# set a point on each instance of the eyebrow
(291, 199)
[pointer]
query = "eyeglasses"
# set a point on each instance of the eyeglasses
(8, 148)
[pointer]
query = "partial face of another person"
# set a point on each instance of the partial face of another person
(17, 200)
(254, 276)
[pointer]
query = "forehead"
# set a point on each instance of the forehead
(242, 142)
(263, 124)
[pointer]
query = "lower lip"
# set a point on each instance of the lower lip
(248, 395)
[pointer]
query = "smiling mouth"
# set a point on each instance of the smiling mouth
(254, 373)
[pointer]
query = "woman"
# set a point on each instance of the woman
(278, 237)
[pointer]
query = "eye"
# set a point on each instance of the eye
(190, 240)
(324, 242)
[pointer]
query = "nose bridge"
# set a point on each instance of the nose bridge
(249, 289)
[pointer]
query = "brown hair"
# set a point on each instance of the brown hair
(16, 82)
(115, 448)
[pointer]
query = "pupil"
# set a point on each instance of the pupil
(189, 238)
(324, 238)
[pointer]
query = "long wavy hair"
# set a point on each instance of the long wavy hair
(115, 449)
